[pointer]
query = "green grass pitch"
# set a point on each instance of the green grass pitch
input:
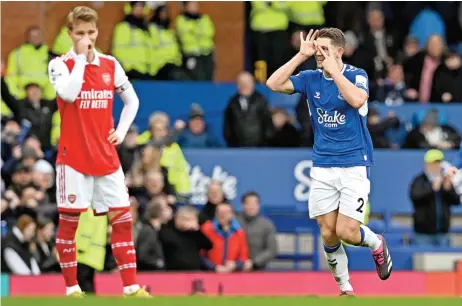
(232, 301)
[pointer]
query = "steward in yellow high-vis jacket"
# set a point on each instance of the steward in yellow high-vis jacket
(196, 33)
(28, 64)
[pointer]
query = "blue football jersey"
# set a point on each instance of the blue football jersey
(341, 137)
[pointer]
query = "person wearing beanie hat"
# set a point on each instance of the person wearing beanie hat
(196, 134)
(432, 194)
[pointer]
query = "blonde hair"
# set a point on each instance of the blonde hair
(81, 13)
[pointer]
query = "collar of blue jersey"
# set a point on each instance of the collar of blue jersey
(330, 79)
(95, 60)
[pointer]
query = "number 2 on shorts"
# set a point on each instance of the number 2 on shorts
(361, 204)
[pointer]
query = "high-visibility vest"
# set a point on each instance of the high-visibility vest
(91, 239)
(63, 42)
(166, 49)
(196, 35)
(28, 64)
(306, 12)
(267, 18)
(178, 172)
(132, 47)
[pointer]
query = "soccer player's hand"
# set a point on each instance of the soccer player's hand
(83, 46)
(308, 45)
(114, 138)
(329, 64)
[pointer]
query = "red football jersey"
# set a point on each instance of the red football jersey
(85, 124)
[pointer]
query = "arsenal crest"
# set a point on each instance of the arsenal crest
(107, 78)
(71, 198)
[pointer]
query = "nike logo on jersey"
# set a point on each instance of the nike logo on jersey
(317, 95)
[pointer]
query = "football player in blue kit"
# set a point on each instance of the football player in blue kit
(337, 96)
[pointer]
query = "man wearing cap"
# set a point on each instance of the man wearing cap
(196, 134)
(432, 195)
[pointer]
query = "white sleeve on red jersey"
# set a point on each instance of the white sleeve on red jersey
(120, 78)
(66, 84)
(128, 96)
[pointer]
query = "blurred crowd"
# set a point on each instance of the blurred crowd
(415, 60)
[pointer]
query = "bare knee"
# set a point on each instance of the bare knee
(327, 226)
(347, 230)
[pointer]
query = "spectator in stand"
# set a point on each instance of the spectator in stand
(284, 133)
(150, 255)
(447, 82)
(10, 201)
(269, 23)
(166, 56)
(230, 252)
(10, 135)
(128, 151)
(196, 135)
(62, 43)
(378, 127)
(37, 111)
(215, 196)
(28, 154)
(427, 23)
(392, 90)
(20, 179)
(304, 119)
(28, 64)
(137, 224)
(196, 33)
(172, 156)
(43, 180)
(411, 48)
(183, 241)
(419, 70)
(305, 15)
(247, 119)
(131, 42)
(260, 232)
(432, 195)
(376, 48)
(430, 134)
(153, 187)
(45, 253)
(146, 173)
(17, 256)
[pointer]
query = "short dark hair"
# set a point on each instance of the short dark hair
(249, 194)
(335, 35)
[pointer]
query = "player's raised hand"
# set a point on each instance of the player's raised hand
(114, 138)
(308, 45)
(83, 46)
(329, 64)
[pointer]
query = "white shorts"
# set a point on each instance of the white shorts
(75, 191)
(346, 189)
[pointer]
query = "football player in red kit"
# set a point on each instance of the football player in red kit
(88, 168)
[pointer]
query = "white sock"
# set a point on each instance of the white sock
(338, 264)
(72, 289)
(131, 289)
(369, 238)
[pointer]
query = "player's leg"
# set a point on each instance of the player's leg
(111, 196)
(353, 198)
(323, 205)
(71, 200)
